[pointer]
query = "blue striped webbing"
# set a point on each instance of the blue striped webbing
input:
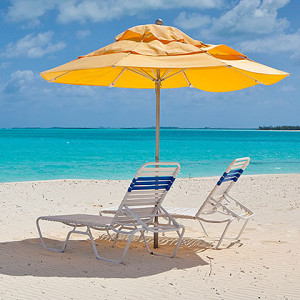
(232, 175)
(151, 183)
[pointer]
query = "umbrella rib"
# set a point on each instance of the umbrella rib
(173, 74)
(141, 73)
(53, 79)
(113, 83)
(190, 85)
(152, 78)
(154, 74)
(165, 74)
(235, 69)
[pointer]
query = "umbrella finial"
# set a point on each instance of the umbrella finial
(159, 22)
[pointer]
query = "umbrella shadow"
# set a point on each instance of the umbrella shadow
(28, 258)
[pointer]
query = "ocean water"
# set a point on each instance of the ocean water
(43, 154)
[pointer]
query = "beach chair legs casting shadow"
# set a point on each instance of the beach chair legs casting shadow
(89, 234)
(136, 213)
(219, 206)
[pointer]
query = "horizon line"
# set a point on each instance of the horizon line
(146, 127)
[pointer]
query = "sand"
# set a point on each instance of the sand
(264, 264)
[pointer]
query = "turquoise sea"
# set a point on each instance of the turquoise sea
(42, 154)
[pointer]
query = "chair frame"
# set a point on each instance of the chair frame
(135, 222)
(232, 173)
(245, 217)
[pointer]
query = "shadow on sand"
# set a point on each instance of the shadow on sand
(28, 258)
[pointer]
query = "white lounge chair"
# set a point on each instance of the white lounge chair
(136, 213)
(219, 206)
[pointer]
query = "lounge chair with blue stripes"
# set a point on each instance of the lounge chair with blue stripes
(219, 206)
(137, 213)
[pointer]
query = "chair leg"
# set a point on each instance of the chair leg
(107, 231)
(182, 241)
(146, 244)
(140, 237)
(179, 240)
(203, 228)
(243, 227)
(88, 232)
(53, 249)
(223, 234)
(116, 238)
(176, 247)
(220, 239)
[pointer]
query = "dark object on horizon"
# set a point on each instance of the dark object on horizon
(279, 127)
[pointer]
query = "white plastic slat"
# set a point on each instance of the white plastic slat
(243, 159)
(188, 213)
(157, 174)
(159, 169)
(141, 202)
(125, 219)
(145, 200)
(110, 210)
(137, 197)
(237, 166)
(143, 210)
(145, 192)
(143, 207)
(129, 200)
(152, 173)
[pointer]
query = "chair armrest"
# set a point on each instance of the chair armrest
(169, 216)
(144, 225)
(240, 205)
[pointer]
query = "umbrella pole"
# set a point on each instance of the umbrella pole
(157, 92)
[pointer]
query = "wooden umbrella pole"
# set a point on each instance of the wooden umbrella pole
(157, 92)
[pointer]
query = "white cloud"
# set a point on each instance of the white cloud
(81, 34)
(29, 10)
(275, 44)
(33, 87)
(22, 76)
(249, 17)
(86, 10)
(296, 57)
(248, 20)
(19, 81)
(4, 65)
(96, 10)
(33, 46)
(288, 88)
(191, 21)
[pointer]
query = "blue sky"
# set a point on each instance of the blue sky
(37, 35)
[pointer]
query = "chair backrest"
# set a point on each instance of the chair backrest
(223, 186)
(147, 190)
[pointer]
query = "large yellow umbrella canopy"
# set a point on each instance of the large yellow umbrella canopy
(133, 60)
(156, 56)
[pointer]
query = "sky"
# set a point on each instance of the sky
(37, 35)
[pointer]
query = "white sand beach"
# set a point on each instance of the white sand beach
(263, 265)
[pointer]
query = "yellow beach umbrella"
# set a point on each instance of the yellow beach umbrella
(160, 57)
